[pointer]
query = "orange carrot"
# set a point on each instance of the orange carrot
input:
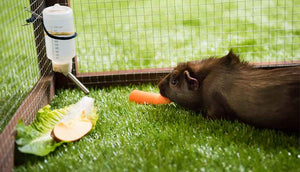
(143, 97)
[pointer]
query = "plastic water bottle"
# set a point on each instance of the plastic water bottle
(58, 21)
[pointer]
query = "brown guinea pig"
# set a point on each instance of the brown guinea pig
(226, 88)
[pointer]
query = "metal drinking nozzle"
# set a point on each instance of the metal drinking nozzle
(66, 70)
(78, 83)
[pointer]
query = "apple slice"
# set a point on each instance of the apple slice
(72, 130)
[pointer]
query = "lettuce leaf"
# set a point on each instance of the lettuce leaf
(36, 138)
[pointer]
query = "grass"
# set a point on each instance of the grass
(131, 137)
(118, 35)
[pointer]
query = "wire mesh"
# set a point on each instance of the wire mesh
(124, 35)
(26, 81)
(19, 65)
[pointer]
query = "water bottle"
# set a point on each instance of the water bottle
(59, 26)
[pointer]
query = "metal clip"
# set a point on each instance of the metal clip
(33, 18)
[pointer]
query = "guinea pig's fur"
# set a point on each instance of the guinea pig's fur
(226, 88)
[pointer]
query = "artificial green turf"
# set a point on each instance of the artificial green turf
(119, 35)
(132, 137)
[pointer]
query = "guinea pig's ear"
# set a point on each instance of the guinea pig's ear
(230, 58)
(193, 83)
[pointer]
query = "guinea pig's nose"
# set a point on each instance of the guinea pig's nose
(160, 84)
(161, 89)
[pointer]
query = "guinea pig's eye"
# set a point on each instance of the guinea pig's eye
(174, 81)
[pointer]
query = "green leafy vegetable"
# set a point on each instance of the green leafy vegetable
(36, 138)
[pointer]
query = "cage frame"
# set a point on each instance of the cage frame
(51, 81)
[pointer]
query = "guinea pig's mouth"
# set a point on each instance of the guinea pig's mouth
(162, 89)
(162, 92)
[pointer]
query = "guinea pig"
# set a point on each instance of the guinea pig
(227, 88)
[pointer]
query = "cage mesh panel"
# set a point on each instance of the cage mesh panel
(125, 35)
(19, 66)
(26, 84)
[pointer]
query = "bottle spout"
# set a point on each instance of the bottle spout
(78, 83)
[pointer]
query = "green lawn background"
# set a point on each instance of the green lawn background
(118, 35)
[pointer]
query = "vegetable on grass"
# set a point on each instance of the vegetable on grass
(36, 138)
(143, 97)
(72, 130)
